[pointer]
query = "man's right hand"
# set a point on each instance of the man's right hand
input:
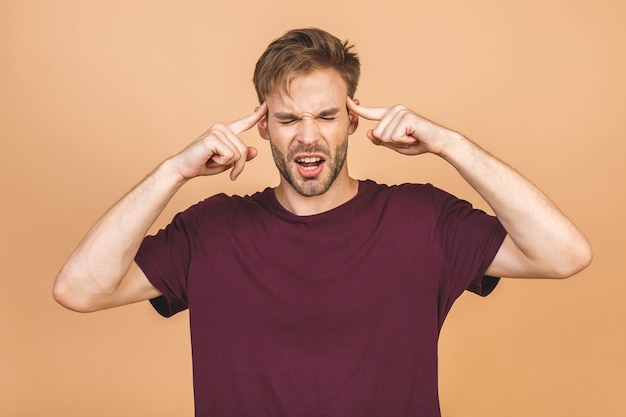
(219, 149)
(101, 272)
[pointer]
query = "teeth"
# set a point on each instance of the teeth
(309, 160)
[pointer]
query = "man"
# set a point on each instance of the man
(325, 295)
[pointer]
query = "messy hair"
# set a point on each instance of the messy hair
(300, 52)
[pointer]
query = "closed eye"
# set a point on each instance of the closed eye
(327, 115)
(292, 121)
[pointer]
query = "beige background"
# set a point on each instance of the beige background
(94, 94)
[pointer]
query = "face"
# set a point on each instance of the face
(308, 132)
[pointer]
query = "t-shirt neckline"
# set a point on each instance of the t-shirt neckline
(268, 199)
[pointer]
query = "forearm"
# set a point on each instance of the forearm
(552, 244)
(101, 260)
(541, 241)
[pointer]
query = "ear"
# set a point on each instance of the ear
(262, 126)
(353, 118)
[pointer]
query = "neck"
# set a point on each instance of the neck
(341, 191)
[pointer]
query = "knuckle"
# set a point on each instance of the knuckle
(235, 155)
(219, 126)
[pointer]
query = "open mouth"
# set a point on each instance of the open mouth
(310, 167)
(309, 163)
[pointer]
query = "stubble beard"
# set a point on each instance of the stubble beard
(311, 187)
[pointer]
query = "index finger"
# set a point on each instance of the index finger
(369, 113)
(249, 121)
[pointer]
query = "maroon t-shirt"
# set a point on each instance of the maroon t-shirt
(331, 315)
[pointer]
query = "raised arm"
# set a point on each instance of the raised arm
(541, 242)
(101, 272)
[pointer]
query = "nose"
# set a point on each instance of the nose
(308, 131)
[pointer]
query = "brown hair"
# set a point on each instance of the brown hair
(300, 52)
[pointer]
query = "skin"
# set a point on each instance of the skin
(101, 272)
(313, 123)
(541, 241)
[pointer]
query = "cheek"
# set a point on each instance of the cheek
(339, 128)
(281, 135)
(282, 132)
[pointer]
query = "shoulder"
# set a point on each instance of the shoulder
(225, 202)
(406, 202)
(409, 192)
(425, 194)
(216, 211)
(373, 187)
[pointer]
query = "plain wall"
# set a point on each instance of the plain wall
(94, 94)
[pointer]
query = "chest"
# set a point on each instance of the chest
(310, 281)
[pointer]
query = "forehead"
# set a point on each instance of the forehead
(312, 92)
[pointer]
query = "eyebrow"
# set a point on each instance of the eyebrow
(290, 116)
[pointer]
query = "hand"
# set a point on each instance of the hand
(402, 130)
(219, 149)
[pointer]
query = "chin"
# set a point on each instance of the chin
(311, 188)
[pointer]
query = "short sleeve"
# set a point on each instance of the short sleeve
(164, 258)
(469, 239)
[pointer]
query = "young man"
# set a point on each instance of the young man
(324, 296)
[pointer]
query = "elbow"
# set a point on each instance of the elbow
(64, 293)
(579, 258)
(64, 296)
